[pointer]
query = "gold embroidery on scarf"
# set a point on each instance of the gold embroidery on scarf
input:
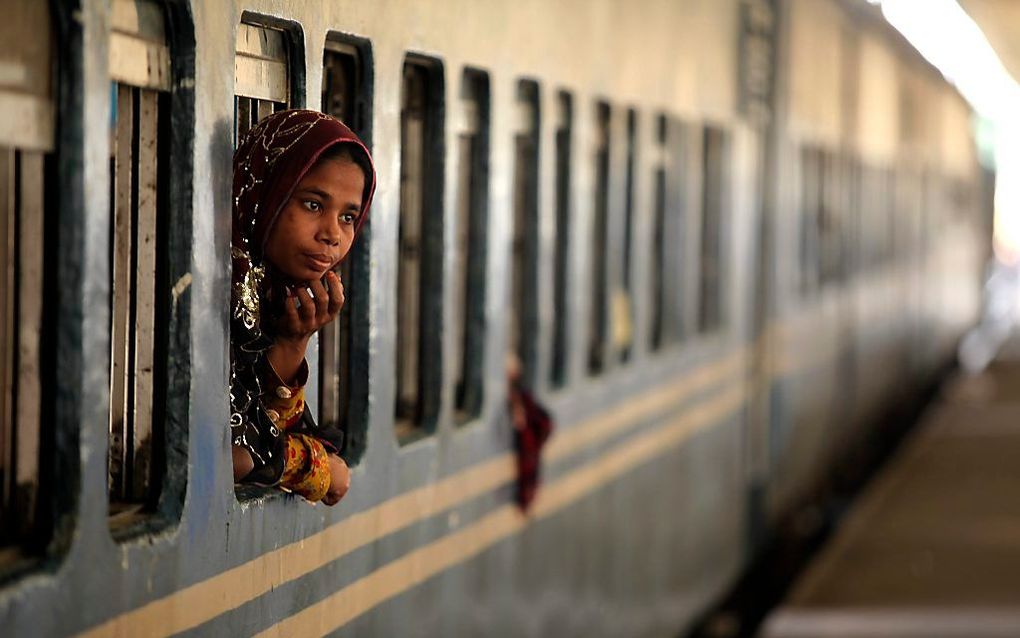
(246, 291)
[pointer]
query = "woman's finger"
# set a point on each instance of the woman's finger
(290, 313)
(336, 293)
(307, 310)
(321, 297)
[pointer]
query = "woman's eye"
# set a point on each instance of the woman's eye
(312, 205)
(347, 218)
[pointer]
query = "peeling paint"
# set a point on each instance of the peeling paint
(181, 285)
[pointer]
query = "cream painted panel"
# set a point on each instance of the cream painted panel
(958, 153)
(878, 109)
(816, 105)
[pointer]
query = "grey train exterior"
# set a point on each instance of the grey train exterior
(723, 236)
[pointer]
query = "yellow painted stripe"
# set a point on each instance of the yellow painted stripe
(197, 604)
(398, 576)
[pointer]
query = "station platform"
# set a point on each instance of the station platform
(932, 546)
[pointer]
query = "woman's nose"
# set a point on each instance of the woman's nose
(329, 230)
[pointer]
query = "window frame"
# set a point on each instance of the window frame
(172, 337)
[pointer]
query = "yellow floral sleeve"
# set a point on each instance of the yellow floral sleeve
(307, 467)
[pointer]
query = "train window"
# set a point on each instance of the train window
(262, 74)
(661, 247)
(26, 157)
(600, 237)
(140, 70)
(623, 319)
(713, 193)
(890, 210)
(561, 260)
(830, 219)
(524, 250)
(470, 249)
(854, 217)
(669, 196)
(343, 344)
(811, 192)
(420, 268)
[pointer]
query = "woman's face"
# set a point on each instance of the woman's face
(315, 229)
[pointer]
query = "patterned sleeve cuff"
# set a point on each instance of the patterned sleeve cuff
(307, 467)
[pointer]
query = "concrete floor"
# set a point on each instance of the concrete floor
(932, 547)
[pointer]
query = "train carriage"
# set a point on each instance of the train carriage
(713, 255)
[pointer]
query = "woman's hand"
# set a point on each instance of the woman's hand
(298, 324)
(243, 464)
(318, 307)
(339, 482)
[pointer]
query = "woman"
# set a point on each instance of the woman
(303, 184)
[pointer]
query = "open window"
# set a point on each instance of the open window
(139, 170)
(811, 189)
(471, 245)
(623, 298)
(830, 219)
(264, 82)
(26, 190)
(599, 249)
(420, 250)
(524, 247)
(343, 344)
(662, 247)
(561, 259)
(713, 209)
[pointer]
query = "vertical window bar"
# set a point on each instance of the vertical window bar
(120, 268)
(30, 289)
(524, 255)
(471, 246)
(600, 218)
(8, 336)
(561, 261)
(714, 163)
(419, 273)
(145, 280)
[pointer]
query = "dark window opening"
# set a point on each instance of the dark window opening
(419, 275)
(830, 219)
(561, 259)
(471, 246)
(661, 247)
(714, 162)
(623, 306)
(599, 248)
(524, 247)
(343, 344)
(810, 217)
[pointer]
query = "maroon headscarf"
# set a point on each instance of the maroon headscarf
(272, 158)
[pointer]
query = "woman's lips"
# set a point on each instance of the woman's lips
(320, 262)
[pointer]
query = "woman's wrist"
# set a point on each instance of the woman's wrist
(286, 356)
